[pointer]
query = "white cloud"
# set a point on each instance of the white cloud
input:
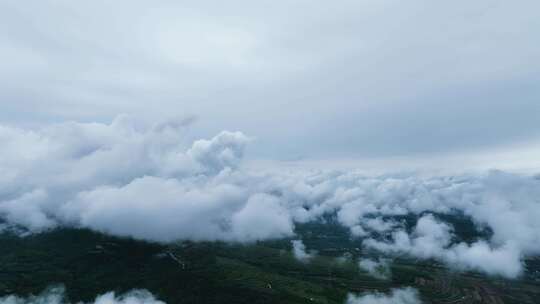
(112, 178)
(170, 209)
(395, 296)
(299, 251)
(224, 150)
(379, 269)
(56, 295)
(261, 218)
(149, 182)
(432, 239)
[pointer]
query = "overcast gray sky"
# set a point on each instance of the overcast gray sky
(321, 79)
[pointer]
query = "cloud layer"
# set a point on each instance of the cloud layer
(145, 181)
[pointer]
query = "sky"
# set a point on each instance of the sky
(346, 80)
(235, 121)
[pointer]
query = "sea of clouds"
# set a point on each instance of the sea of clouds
(143, 181)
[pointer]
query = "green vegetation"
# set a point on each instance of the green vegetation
(89, 263)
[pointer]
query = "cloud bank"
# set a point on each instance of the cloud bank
(112, 178)
(56, 295)
(144, 181)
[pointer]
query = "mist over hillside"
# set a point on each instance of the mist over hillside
(130, 180)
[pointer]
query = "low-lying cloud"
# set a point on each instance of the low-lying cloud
(56, 295)
(379, 269)
(299, 251)
(130, 179)
(395, 296)
(433, 239)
